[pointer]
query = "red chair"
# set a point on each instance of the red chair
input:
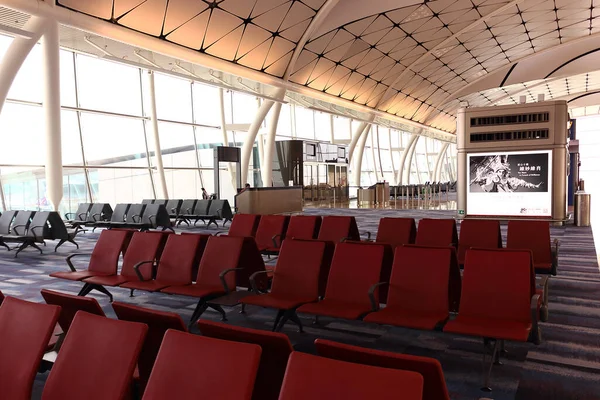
(104, 259)
(535, 236)
(202, 367)
(419, 289)
(143, 246)
(1, 297)
(276, 349)
(496, 301)
(354, 273)
(396, 231)
(158, 323)
(295, 280)
(437, 233)
(338, 228)
(97, 359)
(203, 240)
(304, 227)
(480, 234)
(69, 306)
(221, 257)
(386, 267)
(270, 233)
(319, 378)
(25, 330)
(434, 384)
(174, 267)
(244, 225)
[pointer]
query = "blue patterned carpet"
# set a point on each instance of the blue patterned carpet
(565, 366)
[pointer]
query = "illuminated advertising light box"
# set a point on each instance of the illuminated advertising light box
(517, 183)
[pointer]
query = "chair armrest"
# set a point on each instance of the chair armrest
(374, 301)
(368, 233)
(535, 330)
(152, 217)
(18, 226)
(219, 213)
(222, 278)
(70, 263)
(67, 214)
(275, 241)
(137, 266)
(133, 217)
(219, 233)
(253, 280)
(33, 228)
(81, 215)
(96, 215)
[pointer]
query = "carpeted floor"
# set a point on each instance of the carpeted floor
(565, 366)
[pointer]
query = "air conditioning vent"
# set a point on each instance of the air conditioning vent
(511, 119)
(532, 134)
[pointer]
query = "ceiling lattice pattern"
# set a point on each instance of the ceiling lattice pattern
(259, 34)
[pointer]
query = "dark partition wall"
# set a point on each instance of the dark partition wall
(288, 163)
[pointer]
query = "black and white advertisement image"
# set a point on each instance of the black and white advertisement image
(509, 173)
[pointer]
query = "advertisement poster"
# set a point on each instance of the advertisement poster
(510, 183)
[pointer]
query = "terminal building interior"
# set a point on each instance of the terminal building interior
(299, 199)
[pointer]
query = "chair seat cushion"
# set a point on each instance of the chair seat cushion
(336, 308)
(149, 286)
(490, 328)
(194, 290)
(397, 316)
(278, 302)
(113, 280)
(544, 268)
(77, 276)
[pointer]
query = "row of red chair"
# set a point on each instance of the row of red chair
(99, 356)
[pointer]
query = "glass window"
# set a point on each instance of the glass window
(71, 141)
(322, 126)
(21, 128)
(28, 84)
(305, 125)
(206, 105)
(173, 98)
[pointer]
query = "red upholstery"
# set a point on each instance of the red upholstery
(1, 297)
(175, 265)
(251, 261)
(70, 305)
(296, 276)
(158, 323)
(495, 299)
(437, 233)
(434, 384)
(304, 227)
(336, 228)
(482, 234)
(355, 268)
(535, 236)
(203, 240)
(221, 253)
(244, 225)
(97, 359)
(25, 329)
(386, 266)
(396, 231)
(189, 367)
(319, 378)
(418, 290)
(268, 227)
(105, 256)
(276, 349)
(143, 246)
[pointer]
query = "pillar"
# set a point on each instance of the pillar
(267, 170)
(160, 171)
(399, 175)
(359, 155)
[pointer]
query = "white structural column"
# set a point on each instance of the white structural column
(435, 176)
(224, 132)
(160, 171)
(331, 129)
(267, 170)
(357, 135)
(359, 155)
(399, 174)
(51, 74)
(395, 179)
(411, 155)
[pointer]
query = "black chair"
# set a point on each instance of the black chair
(161, 201)
(118, 216)
(134, 216)
(154, 216)
(80, 215)
(173, 207)
(148, 201)
(187, 208)
(6, 220)
(218, 210)
(29, 233)
(98, 213)
(60, 232)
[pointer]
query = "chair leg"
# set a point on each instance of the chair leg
(62, 241)
(85, 290)
(316, 320)
(294, 318)
(74, 242)
(103, 290)
(220, 310)
(4, 244)
(198, 311)
(487, 370)
(243, 310)
(277, 320)
(21, 248)
(131, 292)
(35, 246)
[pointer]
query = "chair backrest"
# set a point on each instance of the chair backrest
(25, 330)
(21, 223)
(202, 366)
(437, 232)
(276, 349)
(38, 228)
(483, 234)
(178, 259)
(396, 231)
(148, 201)
(225, 208)
(298, 268)
(160, 202)
(251, 261)
(354, 269)
(105, 256)
(532, 235)
(82, 212)
(149, 216)
(173, 206)
(187, 206)
(143, 246)
(158, 323)
(135, 213)
(70, 305)
(57, 228)
(96, 360)
(304, 227)
(201, 207)
(221, 253)
(269, 226)
(120, 212)
(6, 220)
(320, 378)
(496, 285)
(434, 384)
(100, 212)
(386, 265)
(215, 208)
(244, 225)
(335, 228)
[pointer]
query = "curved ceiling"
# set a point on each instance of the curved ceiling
(409, 58)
